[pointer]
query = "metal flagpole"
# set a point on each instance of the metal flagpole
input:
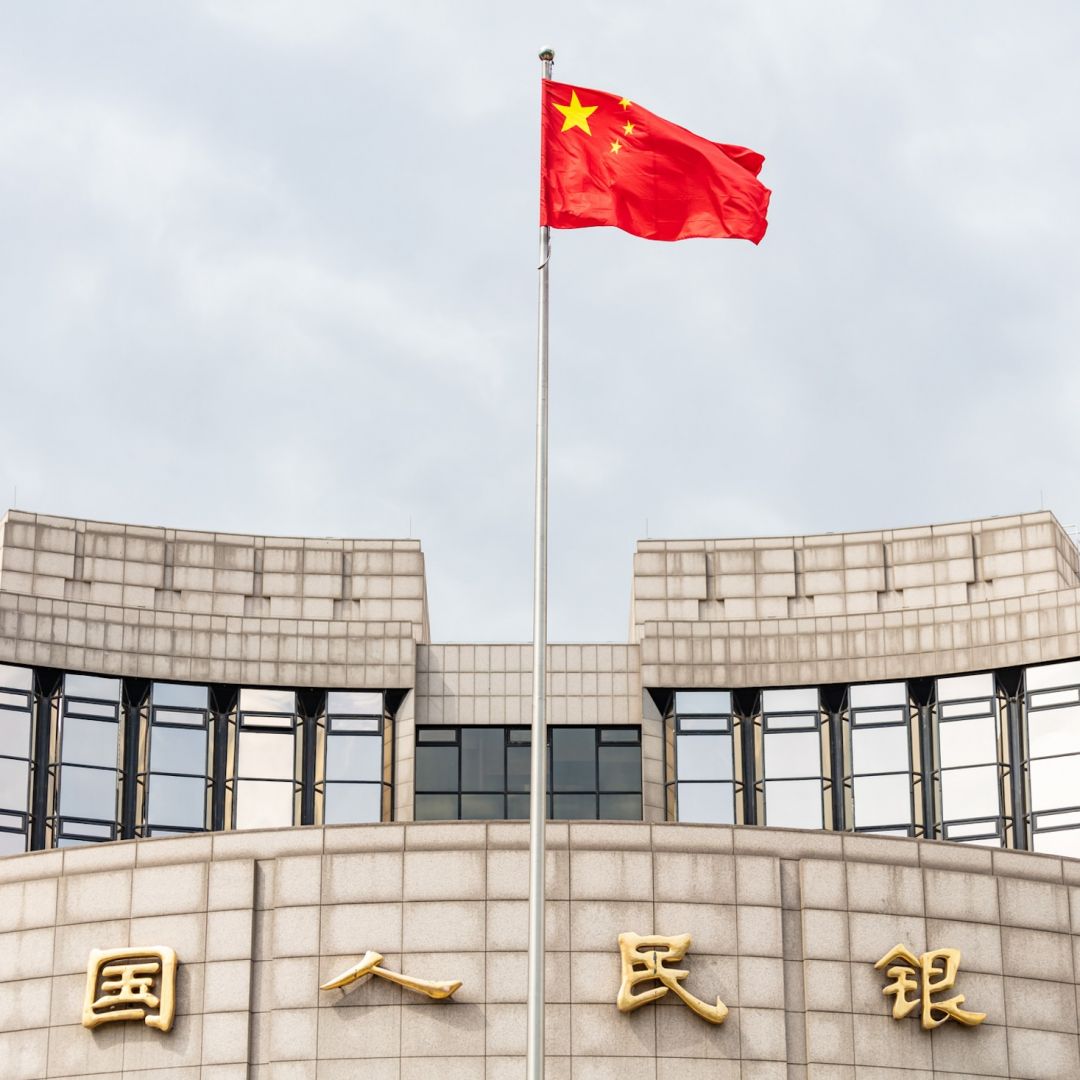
(534, 1047)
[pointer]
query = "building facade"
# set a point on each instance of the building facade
(809, 751)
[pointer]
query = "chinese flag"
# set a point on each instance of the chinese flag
(607, 161)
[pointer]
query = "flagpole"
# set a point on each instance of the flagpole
(534, 1045)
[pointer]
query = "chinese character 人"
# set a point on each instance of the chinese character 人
(936, 971)
(371, 964)
(131, 984)
(644, 959)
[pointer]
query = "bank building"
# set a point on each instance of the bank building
(817, 817)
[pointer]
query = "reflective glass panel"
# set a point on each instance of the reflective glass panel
(180, 695)
(89, 742)
(436, 807)
(879, 750)
(12, 843)
(967, 742)
(14, 784)
(1055, 782)
(262, 804)
(482, 764)
(517, 768)
(1066, 842)
(571, 806)
(178, 718)
(970, 793)
(803, 699)
(16, 678)
(619, 768)
(793, 803)
(266, 755)
(709, 702)
(178, 750)
(865, 695)
(88, 792)
(792, 754)
(1054, 731)
(256, 699)
(355, 724)
(712, 804)
(354, 757)
(91, 686)
(476, 807)
(1050, 675)
(573, 763)
(704, 757)
(882, 800)
(619, 807)
(179, 801)
(345, 803)
(354, 703)
(959, 687)
(517, 807)
(437, 768)
(14, 733)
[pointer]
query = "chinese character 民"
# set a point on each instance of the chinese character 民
(643, 960)
(936, 972)
(371, 965)
(131, 984)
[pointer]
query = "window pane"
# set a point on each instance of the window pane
(882, 800)
(1055, 782)
(184, 719)
(869, 694)
(482, 767)
(178, 801)
(1066, 842)
(804, 699)
(345, 803)
(794, 754)
(517, 768)
(517, 807)
(800, 722)
(569, 807)
(182, 695)
(620, 768)
(266, 755)
(879, 750)
(90, 686)
(262, 804)
(12, 843)
(340, 724)
(436, 808)
(969, 793)
(704, 723)
(14, 784)
(437, 768)
(14, 733)
(872, 717)
(794, 803)
(712, 804)
(354, 703)
(709, 702)
(354, 757)
(703, 757)
(965, 686)
(620, 735)
(177, 750)
(967, 742)
(435, 734)
(481, 807)
(88, 792)
(573, 756)
(623, 807)
(89, 742)
(272, 701)
(1049, 675)
(1054, 731)
(16, 678)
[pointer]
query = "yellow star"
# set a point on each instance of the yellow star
(616, 146)
(625, 103)
(576, 114)
(628, 128)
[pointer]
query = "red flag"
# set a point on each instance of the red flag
(606, 161)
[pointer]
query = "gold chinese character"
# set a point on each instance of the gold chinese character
(371, 965)
(938, 971)
(643, 960)
(120, 986)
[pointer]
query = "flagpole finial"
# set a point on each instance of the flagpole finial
(547, 54)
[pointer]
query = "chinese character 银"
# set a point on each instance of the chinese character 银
(929, 974)
(644, 959)
(131, 984)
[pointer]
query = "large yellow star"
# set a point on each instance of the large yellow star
(576, 114)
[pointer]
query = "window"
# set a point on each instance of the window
(89, 770)
(705, 783)
(880, 756)
(1053, 757)
(792, 758)
(16, 756)
(356, 758)
(176, 784)
(483, 772)
(969, 760)
(265, 790)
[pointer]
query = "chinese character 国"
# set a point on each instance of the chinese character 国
(929, 974)
(131, 984)
(643, 960)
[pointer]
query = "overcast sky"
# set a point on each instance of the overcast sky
(270, 266)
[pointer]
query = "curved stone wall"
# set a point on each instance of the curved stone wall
(786, 927)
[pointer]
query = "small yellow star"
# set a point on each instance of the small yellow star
(576, 114)
(628, 128)
(625, 103)
(616, 146)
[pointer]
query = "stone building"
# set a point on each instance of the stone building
(809, 751)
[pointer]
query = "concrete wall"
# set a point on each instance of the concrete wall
(213, 607)
(786, 928)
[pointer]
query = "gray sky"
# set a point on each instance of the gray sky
(269, 266)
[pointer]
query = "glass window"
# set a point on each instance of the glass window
(16, 756)
(177, 779)
(880, 758)
(703, 771)
(265, 787)
(793, 784)
(1052, 715)
(356, 781)
(476, 773)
